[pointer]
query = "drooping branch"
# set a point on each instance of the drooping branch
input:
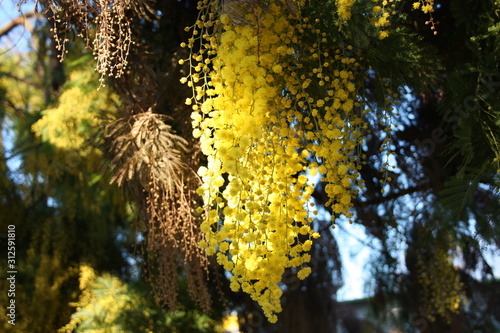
(393, 195)
(20, 20)
(20, 79)
(321, 198)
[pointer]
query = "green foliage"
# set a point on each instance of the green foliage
(460, 192)
(64, 210)
(472, 105)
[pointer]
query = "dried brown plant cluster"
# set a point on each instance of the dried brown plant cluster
(104, 25)
(147, 155)
(144, 147)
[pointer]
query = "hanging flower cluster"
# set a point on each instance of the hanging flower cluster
(269, 106)
(440, 283)
(382, 12)
(427, 7)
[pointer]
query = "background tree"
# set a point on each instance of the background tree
(52, 196)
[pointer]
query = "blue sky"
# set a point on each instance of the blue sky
(19, 37)
(355, 259)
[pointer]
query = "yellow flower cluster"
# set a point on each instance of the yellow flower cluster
(426, 6)
(379, 16)
(76, 117)
(344, 9)
(105, 307)
(440, 285)
(382, 10)
(271, 108)
(384, 119)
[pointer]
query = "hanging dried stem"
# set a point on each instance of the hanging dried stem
(147, 155)
(112, 38)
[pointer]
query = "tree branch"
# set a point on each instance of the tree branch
(20, 79)
(15, 22)
(321, 197)
(393, 195)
